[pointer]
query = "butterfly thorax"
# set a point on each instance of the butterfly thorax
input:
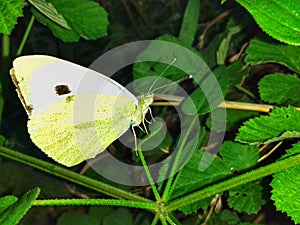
(144, 102)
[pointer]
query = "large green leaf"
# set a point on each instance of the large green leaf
(286, 189)
(10, 10)
(280, 88)
(85, 18)
(280, 19)
(281, 123)
(264, 52)
(13, 214)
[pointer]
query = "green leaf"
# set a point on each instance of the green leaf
(85, 18)
(286, 190)
(263, 52)
(13, 214)
(120, 216)
(239, 156)
(49, 10)
(280, 88)
(200, 98)
(190, 178)
(281, 123)
(7, 201)
(190, 22)
(280, 19)
(246, 198)
(224, 45)
(10, 10)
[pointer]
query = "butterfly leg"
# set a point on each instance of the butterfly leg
(145, 127)
(135, 140)
(150, 111)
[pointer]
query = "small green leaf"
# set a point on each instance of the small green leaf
(246, 198)
(49, 10)
(10, 10)
(281, 123)
(280, 19)
(85, 18)
(286, 190)
(280, 88)
(13, 214)
(7, 201)
(265, 52)
(239, 156)
(224, 45)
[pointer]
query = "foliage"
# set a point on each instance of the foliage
(221, 182)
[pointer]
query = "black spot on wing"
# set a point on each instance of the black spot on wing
(62, 89)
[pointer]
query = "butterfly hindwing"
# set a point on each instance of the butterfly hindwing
(79, 127)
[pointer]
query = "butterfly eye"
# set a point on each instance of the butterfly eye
(62, 89)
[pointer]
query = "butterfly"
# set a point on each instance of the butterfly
(74, 113)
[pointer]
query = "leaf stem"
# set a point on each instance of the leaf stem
(155, 219)
(25, 37)
(104, 202)
(149, 176)
(234, 182)
(5, 46)
(249, 93)
(70, 175)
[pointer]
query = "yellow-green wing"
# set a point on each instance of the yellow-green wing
(79, 127)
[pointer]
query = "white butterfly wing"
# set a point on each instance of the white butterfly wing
(37, 78)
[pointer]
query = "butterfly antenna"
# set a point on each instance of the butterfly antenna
(155, 81)
(175, 82)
